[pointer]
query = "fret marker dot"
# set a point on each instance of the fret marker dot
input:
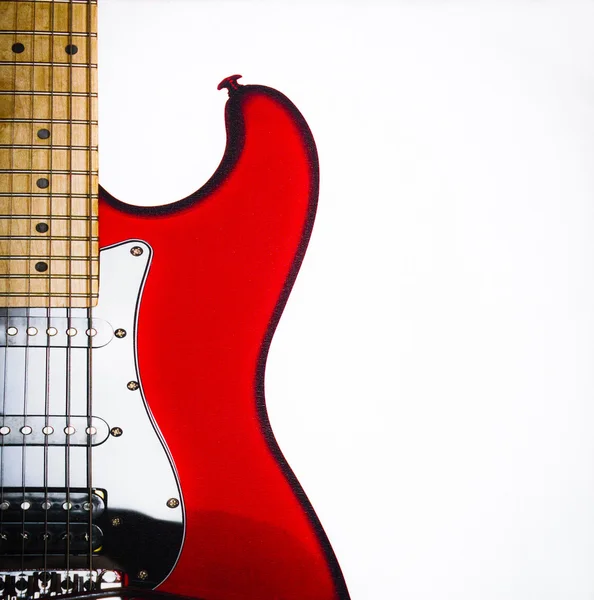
(12, 331)
(52, 331)
(48, 430)
(41, 267)
(18, 48)
(4, 430)
(69, 430)
(91, 332)
(25, 505)
(71, 49)
(42, 227)
(32, 331)
(43, 183)
(43, 134)
(91, 430)
(26, 430)
(71, 331)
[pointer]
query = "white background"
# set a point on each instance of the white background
(431, 381)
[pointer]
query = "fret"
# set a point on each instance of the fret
(46, 291)
(48, 148)
(49, 93)
(58, 121)
(54, 172)
(37, 195)
(39, 276)
(55, 66)
(58, 238)
(49, 33)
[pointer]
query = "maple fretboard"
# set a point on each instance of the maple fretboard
(49, 251)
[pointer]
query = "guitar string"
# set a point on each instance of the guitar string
(3, 534)
(25, 504)
(49, 312)
(68, 308)
(90, 190)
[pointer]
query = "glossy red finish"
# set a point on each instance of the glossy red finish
(224, 261)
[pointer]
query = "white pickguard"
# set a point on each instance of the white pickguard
(135, 467)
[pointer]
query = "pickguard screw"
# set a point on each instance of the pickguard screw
(116, 431)
(173, 503)
(120, 333)
(116, 521)
(136, 251)
(142, 574)
(133, 386)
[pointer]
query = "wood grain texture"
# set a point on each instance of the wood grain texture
(48, 154)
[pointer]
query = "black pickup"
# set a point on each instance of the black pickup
(54, 521)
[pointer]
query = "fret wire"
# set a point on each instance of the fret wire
(52, 33)
(51, 217)
(40, 93)
(47, 257)
(59, 121)
(93, 2)
(48, 195)
(29, 63)
(43, 171)
(48, 148)
(44, 238)
(42, 276)
(48, 295)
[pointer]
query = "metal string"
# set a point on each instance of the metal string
(49, 301)
(69, 309)
(90, 190)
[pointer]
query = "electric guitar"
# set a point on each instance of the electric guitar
(136, 456)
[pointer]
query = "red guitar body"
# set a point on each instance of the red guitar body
(224, 262)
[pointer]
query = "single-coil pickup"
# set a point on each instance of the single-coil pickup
(54, 332)
(54, 430)
(52, 505)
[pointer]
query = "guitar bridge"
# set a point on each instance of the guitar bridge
(41, 584)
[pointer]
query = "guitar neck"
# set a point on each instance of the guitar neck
(49, 250)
